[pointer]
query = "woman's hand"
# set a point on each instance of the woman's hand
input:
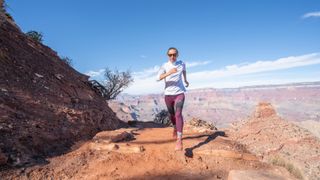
(187, 83)
(173, 70)
(164, 75)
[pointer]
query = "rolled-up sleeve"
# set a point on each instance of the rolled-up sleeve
(161, 71)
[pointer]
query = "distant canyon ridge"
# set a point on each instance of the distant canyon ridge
(297, 102)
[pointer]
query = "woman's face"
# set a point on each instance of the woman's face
(173, 54)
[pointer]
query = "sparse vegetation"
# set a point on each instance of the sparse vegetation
(4, 7)
(37, 36)
(9, 16)
(163, 118)
(278, 161)
(115, 82)
(67, 60)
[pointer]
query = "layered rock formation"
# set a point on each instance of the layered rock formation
(280, 142)
(295, 102)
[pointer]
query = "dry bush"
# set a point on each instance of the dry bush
(278, 161)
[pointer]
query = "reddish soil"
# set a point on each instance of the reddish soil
(151, 155)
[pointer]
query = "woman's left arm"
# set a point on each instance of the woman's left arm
(184, 72)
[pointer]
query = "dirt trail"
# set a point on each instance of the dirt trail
(150, 155)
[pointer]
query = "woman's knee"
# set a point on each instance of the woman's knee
(178, 115)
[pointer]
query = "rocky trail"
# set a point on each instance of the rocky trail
(147, 152)
(55, 125)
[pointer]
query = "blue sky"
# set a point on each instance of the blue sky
(224, 43)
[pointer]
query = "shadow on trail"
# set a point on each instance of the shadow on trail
(145, 124)
(189, 151)
(216, 174)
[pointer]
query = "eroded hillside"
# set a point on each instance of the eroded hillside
(46, 105)
(278, 141)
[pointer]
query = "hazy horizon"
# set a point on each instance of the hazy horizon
(239, 87)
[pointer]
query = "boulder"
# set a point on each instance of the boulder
(204, 125)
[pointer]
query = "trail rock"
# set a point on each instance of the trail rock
(124, 136)
(201, 125)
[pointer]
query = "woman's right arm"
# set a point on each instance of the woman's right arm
(163, 74)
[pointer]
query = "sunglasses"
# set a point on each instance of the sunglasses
(174, 55)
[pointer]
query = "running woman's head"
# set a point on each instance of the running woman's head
(172, 54)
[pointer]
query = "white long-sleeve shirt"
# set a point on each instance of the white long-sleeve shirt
(173, 83)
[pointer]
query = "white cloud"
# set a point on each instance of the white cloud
(229, 76)
(197, 63)
(95, 73)
(146, 72)
(143, 56)
(144, 82)
(146, 85)
(259, 66)
(311, 14)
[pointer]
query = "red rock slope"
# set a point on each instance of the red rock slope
(45, 105)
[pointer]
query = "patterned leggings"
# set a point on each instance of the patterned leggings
(175, 104)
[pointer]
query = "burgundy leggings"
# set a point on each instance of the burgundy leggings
(175, 104)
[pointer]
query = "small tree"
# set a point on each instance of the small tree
(116, 82)
(37, 36)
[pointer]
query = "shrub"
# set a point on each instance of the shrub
(163, 118)
(278, 161)
(37, 36)
(67, 60)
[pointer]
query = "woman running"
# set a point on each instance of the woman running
(172, 72)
